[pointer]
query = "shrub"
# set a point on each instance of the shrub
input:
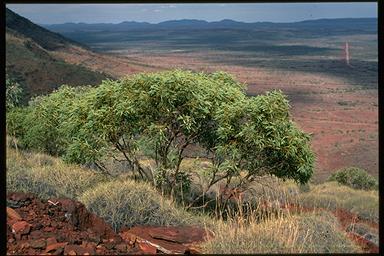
(355, 178)
(129, 203)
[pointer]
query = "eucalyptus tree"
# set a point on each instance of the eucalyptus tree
(243, 136)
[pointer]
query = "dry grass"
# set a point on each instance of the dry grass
(47, 176)
(129, 203)
(124, 202)
(305, 233)
(331, 195)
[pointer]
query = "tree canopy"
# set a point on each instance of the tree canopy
(243, 136)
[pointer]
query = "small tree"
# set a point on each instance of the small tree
(355, 177)
(243, 136)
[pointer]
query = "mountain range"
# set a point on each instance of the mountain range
(365, 24)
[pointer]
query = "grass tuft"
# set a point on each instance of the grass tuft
(129, 203)
(48, 176)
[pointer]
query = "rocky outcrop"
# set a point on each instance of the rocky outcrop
(65, 227)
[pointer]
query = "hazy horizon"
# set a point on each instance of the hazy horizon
(202, 20)
(49, 14)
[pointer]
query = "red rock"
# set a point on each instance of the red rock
(25, 245)
(91, 245)
(36, 234)
(94, 238)
(109, 246)
(121, 247)
(21, 227)
(147, 249)
(193, 250)
(77, 249)
(53, 247)
(168, 239)
(38, 244)
(31, 251)
(127, 236)
(58, 251)
(48, 229)
(72, 252)
(19, 196)
(12, 214)
(38, 226)
(51, 240)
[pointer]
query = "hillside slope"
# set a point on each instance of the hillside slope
(30, 58)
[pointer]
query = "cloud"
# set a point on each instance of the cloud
(157, 10)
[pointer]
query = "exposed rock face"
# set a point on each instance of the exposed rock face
(57, 227)
(174, 240)
(65, 227)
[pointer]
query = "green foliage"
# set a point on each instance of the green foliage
(171, 110)
(355, 178)
(256, 135)
(13, 93)
(16, 123)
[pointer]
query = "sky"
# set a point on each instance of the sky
(155, 13)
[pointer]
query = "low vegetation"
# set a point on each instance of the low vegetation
(129, 203)
(47, 176)
(355, 178)
(332, 195)
(305, 233)
(122, 201)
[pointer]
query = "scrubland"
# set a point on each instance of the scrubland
(312, 227)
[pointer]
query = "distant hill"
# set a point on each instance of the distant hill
(31, 59)
(368, 25)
